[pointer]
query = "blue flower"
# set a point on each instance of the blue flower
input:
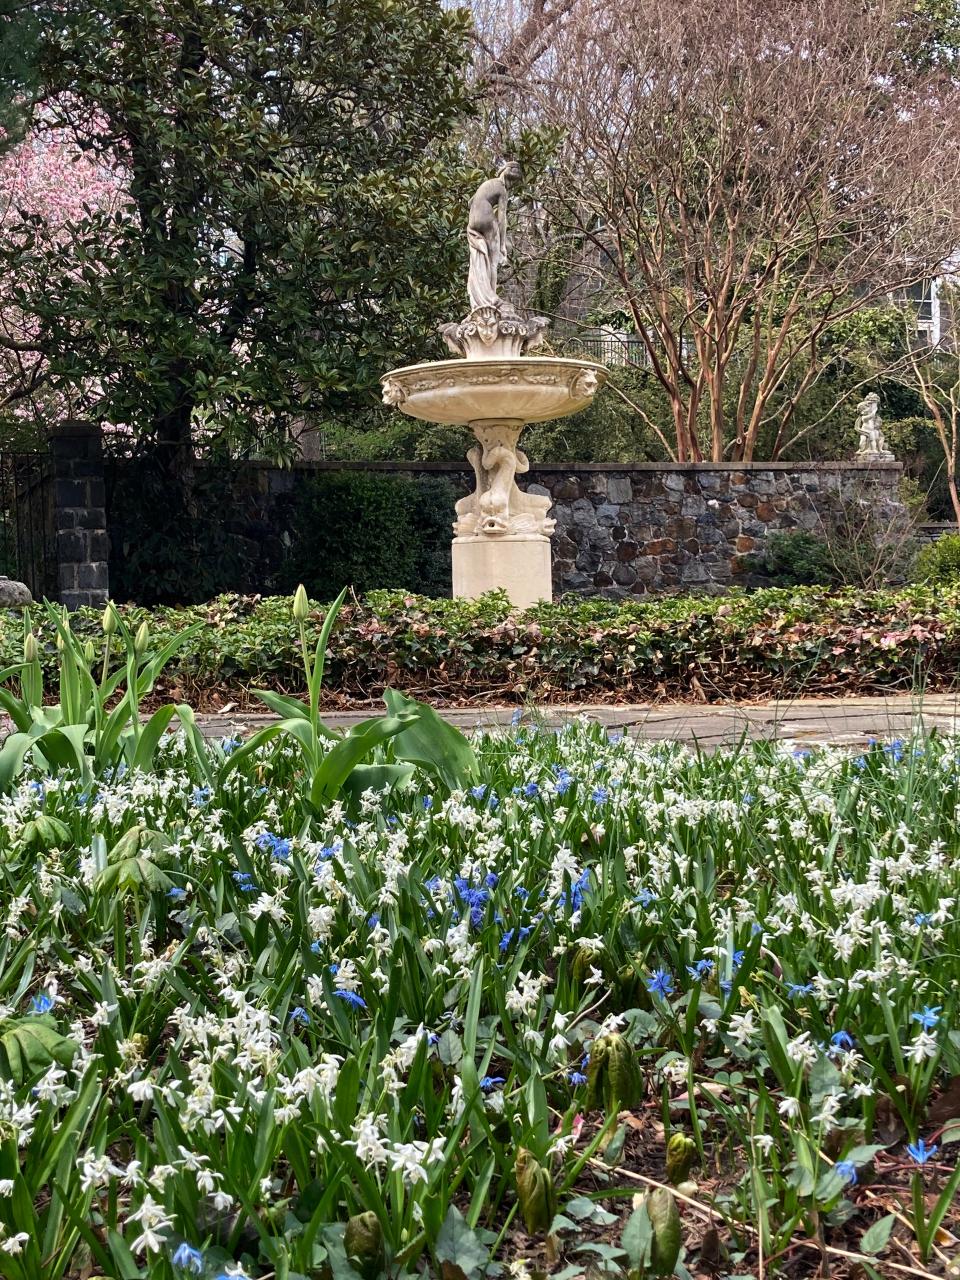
(189, 1258)
(229, 745)
(645, 897)
(928, 1017)
(531, 789)
(921, 918)
(42, 1003)
(661, 984)
(491, 879)
(329, 850)
(506, 939)
(176, 894)
(600, 795)
(700, 969)
(244, 881)
(577, 889)
(299, 1014)
(373, 919)
(351, 998)
(479, 792)
(279, 846)
(488, 1083)
(847, 1171)
(795, 989)
(576, 1078)
(516, 717)
(737, 959)
(201, 795)
(841, 1040)
(520, 891)
(920, 1152)
(894, 750)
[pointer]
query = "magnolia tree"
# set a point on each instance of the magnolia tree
(737, 182)
(286, 223)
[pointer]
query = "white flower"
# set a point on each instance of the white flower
(153, 1219)
(14, 1244)
(742, 1028)
(6, 1186)
(921, 1048)
(790, 1107)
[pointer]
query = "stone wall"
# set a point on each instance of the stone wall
(651, 527)
(625, 531)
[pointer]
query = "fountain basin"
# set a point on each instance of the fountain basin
(522, 389)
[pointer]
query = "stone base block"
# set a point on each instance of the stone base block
(518, 564)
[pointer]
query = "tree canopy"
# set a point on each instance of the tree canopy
(287, 196)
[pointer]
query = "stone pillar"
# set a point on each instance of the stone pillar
(79, 517)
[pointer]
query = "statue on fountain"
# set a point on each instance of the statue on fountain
(493, 329)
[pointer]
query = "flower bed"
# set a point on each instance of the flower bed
(243, 1035)
(766, 644)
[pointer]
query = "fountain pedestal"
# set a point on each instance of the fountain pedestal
(518, 564)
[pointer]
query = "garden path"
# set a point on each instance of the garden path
(846, 721)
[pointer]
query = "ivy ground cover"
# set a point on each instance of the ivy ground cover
(478, 1032)
(771, 643)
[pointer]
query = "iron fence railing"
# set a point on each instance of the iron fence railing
(26, 537)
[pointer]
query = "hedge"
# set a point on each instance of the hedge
(772, 643)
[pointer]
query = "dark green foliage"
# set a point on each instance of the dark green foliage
(771, 643)
(18, 80)
(167, 551)
(939, 563)
(292, 226)
(367, 530)
(796, 559)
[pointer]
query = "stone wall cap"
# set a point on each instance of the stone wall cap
(623, 468)
(73, 427)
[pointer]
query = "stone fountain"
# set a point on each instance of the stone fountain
(495, 387)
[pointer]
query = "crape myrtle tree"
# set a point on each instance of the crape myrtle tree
(737, 181)
(288, 226)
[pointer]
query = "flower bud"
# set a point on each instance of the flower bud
(535, 1192)
(109, 619)
(30, 650)
(301, 605)
(681, 1153)
(89, 653)
(141, 638)
(363, 1243)
(665, 1219)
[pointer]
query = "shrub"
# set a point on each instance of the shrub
(770, 643)
(940, 561)
(367, 530)
(796, 559)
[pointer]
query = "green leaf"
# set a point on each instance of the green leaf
(459, 1250)
(29, 1045)
(344, 756)
(875, 1237)
(431, 742)
(637, 1239)
(450, 1048)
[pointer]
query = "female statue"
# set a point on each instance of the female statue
(487, 236)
